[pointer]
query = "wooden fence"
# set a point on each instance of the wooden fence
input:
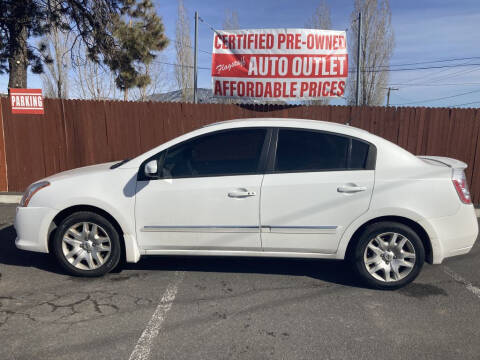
(74, 133)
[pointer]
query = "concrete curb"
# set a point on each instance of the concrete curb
(10, 199)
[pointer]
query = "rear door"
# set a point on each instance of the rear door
(317, 184)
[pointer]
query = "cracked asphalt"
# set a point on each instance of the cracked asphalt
(233, 308)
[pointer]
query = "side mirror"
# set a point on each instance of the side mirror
(151, 169)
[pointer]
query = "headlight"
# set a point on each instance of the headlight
(31, 190)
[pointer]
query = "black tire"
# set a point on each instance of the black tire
(106, 227)
(371, 232)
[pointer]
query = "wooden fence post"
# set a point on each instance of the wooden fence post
(3, 157)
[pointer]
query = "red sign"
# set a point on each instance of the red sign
(26, 101)
(279, 64)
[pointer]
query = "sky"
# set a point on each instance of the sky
(425, 31)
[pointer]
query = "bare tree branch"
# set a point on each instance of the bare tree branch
(55, 78)
(320, 19)
(376, 51)
(183, 48)
(91, 80)
(231, 20)
(161, 81)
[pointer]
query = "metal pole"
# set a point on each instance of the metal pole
(359, 45)
(195, 60)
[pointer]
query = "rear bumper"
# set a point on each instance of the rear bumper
(32, 225)
(452, 235)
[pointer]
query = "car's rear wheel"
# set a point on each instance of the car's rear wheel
(87, 244)
(388, 255)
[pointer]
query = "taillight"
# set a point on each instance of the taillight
(460, 182)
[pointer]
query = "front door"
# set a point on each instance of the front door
(206, 196)
(320, 183)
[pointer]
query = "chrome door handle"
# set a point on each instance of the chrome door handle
(241, 193)
(349, 189)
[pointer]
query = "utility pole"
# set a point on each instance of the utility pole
(359, 45)
(388, 94)
(195, 60)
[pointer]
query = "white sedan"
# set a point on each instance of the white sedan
(258, 187)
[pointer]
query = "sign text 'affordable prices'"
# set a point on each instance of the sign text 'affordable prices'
(280, 64)
(26, 101)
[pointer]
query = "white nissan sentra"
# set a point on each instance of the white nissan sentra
(258, 187)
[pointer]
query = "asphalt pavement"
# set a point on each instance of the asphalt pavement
(232, 308)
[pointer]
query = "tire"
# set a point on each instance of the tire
(382, 262)
(87, 244)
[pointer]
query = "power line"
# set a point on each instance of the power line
(436, 84)
(376, 68)
(351, 71)
(469, 103)
(455, 74)
(428, 62)
(433, 78)
(208, 25)
(429, 75)
(417, 68)
(440, 98)
(191, 47)
(180, 65)
(436, 76)
(380, 66)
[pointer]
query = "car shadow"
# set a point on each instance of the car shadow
(336, 272)
(332, 271)
(11, 255)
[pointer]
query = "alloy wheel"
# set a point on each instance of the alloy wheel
(389, 257)
(86, 245)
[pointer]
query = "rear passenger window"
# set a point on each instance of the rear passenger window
(300, 150)
(358, 155)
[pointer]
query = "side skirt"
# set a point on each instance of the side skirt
(241, 253)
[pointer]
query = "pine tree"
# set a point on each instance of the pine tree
(102, 26)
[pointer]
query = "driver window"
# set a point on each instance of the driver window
(232, 152)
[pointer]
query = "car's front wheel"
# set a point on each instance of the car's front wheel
(87, 244)
(388, 255)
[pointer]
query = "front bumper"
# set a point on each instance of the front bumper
(32, 225)
(452, 235)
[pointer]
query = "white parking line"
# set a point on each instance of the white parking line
(145, 342)
(458, 278)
